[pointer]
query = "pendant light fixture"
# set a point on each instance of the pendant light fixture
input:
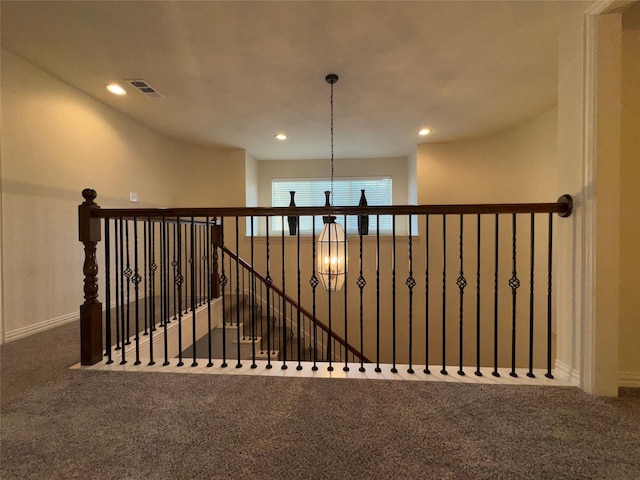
(331, 262)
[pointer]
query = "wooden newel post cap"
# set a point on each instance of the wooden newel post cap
(89, 227)
(89, 195)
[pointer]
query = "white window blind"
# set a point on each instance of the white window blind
(346, 192)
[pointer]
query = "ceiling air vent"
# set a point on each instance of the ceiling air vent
(146, 89)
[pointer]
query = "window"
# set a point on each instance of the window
(346, 192)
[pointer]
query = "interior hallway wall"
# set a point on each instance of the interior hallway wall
(57, 141)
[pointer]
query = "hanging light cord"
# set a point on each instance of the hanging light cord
(331, 142)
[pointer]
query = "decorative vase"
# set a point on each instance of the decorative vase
(363, 220)
(327, 203)
(293, 221)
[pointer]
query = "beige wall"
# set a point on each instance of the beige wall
(57, 141)
(630, 200)
(521, 162)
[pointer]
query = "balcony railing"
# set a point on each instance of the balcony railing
(468, 286)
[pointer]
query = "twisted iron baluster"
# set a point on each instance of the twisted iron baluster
(462, 283)
(514, 283)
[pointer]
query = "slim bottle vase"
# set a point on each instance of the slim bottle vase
(363, 220)
(293, 221)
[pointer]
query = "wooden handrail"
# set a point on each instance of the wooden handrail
(292, 302)
(562, 207)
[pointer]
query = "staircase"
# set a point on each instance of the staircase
(269, 335)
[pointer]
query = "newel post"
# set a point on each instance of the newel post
(216, 241)
(91, 310)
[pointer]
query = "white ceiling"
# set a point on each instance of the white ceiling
(235, 73)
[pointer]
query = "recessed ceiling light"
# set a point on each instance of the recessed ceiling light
(280, 136)
(424, 132)
(116, 89)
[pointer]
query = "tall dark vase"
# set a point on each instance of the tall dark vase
(363, 220)
(327, 203)
(293, 221)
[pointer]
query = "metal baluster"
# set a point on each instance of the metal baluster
(361, 282)
(223, 283)
(252, 295)
(121, 272)
(514, 283)
(261, 325)
(152, 276)
(197, 259)
(346, 329)
(145, 277)
(462, 283)
(174, 263)
(495, 302)
(411, 283)
(549, 291)
(330, 334)
(136, 285)
(290, 339)
(107, 273)
(208, 254)
(299, 367)
(273, 323)
(193, 291)
(478, 330)
(179, 280)
(283, 345)
(202, 280)
(426, 297)
(244, 301)
(187, 279)
(530, 374)
(314, 283)
(127, 274)
(444, 295)
(268, 282)
(378, 369)
(204, 249)
(116, 236)
(153, 267)
(239, 363)
(164, 282)
(393, 291)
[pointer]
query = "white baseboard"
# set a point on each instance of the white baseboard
(567, 373)
(629, 379)
(41, 326)
(51, 323)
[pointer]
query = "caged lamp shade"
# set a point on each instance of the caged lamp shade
(331, 262)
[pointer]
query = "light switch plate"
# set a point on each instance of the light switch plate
(133, 197)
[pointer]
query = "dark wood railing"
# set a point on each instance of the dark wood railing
(172, 270)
